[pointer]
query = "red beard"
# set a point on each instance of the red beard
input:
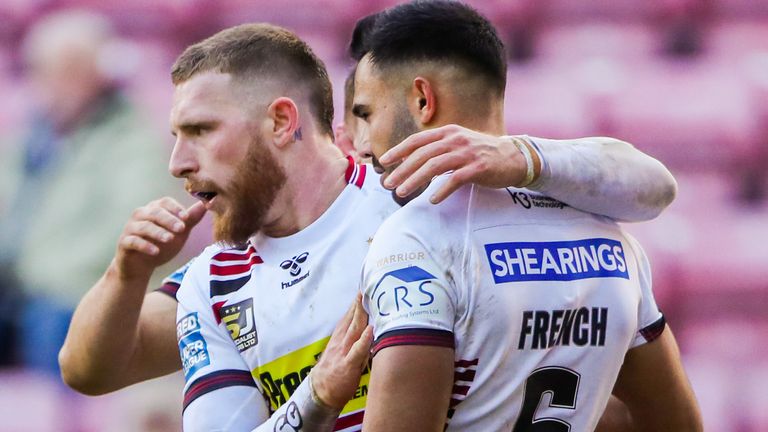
(253, 190)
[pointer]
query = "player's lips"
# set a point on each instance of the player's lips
(206, 197)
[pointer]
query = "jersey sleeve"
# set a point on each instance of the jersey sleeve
(214, 372)
(603, 176)
(220, 393)
(409, 298)
(170, 285)
(650, 320)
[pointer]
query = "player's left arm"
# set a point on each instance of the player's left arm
(412, 306)
(600, 175)
(652, 386)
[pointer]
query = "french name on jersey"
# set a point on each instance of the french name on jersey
(543, 329)
(279, 378)
(556, 261)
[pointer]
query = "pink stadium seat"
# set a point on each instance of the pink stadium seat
(541, 101)
(734, 40)
(726, 362)
(30, 403)
(708, 251)
(691, 115)
(578, 11)
(741, 8)
(570, 43)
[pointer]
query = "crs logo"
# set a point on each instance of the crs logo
(402, 290)
(238, 318)
(293, 263)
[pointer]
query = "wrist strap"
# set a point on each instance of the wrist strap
(317, 415)
(523, 147)
(315, 398)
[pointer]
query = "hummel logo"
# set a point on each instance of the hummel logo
(293, 263)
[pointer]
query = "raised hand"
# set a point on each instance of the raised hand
(336, 376)
(474, 157)
(154, 234)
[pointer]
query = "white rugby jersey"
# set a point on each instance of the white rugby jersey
(261, 315)
(536, 298)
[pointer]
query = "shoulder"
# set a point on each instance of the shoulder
(423, 224)
(365, 178)
(194, 276)
(422, 212)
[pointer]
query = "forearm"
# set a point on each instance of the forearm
(243, 409)
(604, 176)
(301, 412)
(103, 335)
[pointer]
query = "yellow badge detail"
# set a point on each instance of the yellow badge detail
(238, 318)
(279, 378)
(232, 324)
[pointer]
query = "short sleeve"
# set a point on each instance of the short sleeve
(650, 320)
(210, 360)
(409, 298)
(170, 285)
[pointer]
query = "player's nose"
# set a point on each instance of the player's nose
(363, 148)
(183, 160)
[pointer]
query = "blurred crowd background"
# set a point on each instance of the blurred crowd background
(84, 101)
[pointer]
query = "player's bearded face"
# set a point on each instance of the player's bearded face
(249, 196)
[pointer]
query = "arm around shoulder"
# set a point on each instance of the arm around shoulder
(605, 176)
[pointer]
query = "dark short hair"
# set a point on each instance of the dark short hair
(437, 30)
(254, 51)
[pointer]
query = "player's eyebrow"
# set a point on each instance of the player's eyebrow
(192, 127)
(358, 110)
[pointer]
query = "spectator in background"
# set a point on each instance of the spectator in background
(85, 161)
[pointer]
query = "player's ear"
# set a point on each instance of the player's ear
(423, 101)
(285, 121)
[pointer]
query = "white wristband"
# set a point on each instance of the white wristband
(529, 173)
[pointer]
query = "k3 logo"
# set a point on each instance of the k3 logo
(293, 263)
(239, 320)
(520, 198)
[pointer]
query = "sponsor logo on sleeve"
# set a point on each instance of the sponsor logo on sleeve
(238, 318)
(404, 292)
(192, 346)
(556, 261)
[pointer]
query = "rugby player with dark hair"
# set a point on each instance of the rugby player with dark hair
(499, 309)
